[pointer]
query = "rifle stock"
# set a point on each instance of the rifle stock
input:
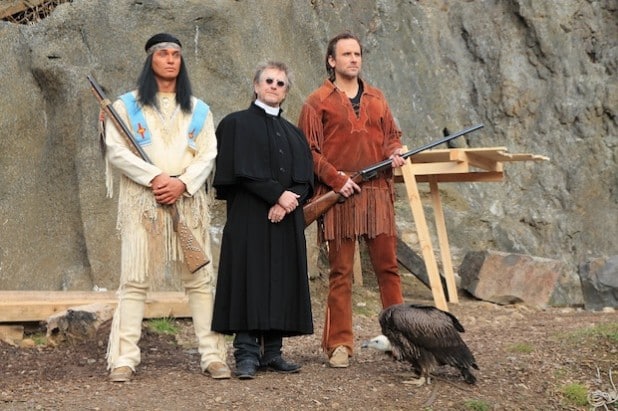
(195, 257)
(320, 205)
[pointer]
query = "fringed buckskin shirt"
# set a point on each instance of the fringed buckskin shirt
(341, 141)
(149, 242)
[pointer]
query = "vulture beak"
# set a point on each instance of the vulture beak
(365, 344)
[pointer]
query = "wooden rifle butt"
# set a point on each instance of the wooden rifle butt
(194, 255)
(320, 205)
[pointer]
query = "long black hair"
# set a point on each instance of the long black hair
(147, 86)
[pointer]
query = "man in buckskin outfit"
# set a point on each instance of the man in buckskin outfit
(349, 126)
(176, 131)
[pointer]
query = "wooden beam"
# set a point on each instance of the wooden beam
(483, 162)
(26, 306)
(473, 177)
(412, 262)
(435, 156)
(522, 157)
(454, 154)
(439, 168)
(11, 7)
(444, 167)
(11, 334)
(423, 235)
(445, 250)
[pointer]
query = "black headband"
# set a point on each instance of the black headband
(161, 38)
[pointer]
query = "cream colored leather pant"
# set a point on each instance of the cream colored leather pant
(127, 324)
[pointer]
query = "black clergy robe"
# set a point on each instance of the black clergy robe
(262, 280)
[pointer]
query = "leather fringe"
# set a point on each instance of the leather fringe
(151, 250)
(326, 332)
(369, 213)
(113, 345)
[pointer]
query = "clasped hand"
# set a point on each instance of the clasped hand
(167, 189)
(287, 202)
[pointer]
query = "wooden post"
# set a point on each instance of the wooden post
(358, 267)
(445, 251)
(423, 234)
(11, 333)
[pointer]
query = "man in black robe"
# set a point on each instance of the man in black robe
(264, 171)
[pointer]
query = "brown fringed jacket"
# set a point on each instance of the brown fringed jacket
(341, 141)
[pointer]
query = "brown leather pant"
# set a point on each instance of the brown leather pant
(338, 320)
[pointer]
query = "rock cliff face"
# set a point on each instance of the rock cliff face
(541, 77)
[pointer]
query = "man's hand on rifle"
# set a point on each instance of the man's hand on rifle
(398, 161)
(349, 188)
(167, 189)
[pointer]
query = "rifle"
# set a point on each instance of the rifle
(194, 254)
(317, 207)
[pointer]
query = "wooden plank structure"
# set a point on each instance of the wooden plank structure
(448, 166)
(27, 306)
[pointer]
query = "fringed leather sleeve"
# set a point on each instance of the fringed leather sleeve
(311, 124)
(392, 133)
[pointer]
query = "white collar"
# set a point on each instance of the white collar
(273, 111)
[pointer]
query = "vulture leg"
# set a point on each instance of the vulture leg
(417, 382)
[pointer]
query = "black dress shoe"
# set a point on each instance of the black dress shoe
(245, 370)
(280, 365)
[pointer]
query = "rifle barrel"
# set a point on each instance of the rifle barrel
(442, 140)
(384, 163)
(107, 105)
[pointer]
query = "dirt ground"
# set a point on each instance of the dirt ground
(528, 359)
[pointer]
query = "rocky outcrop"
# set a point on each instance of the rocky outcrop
(599, 280)
(506, 278)
(541, 78)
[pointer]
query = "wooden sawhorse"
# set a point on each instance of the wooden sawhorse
(448, 166)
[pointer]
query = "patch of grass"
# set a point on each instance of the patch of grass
(477, 405)
(608, 331)
(39, 339)
(575, 394)
(163, 326)
(522, 348)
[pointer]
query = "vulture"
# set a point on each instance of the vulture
(426, 337)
